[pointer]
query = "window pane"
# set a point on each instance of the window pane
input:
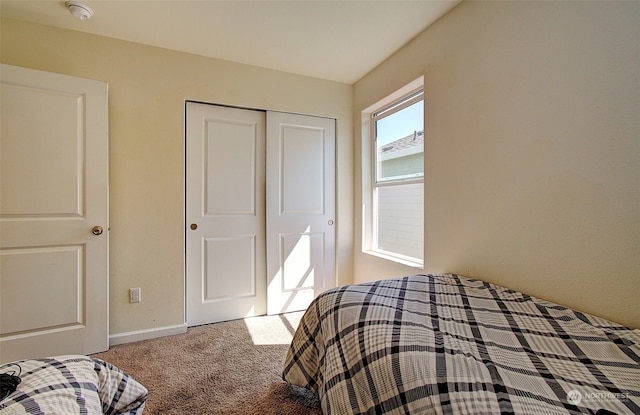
(400, 144)
(400, 219)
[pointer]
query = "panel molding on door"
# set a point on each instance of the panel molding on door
(300, 209)
(225, 213)
(53, 191)
(218, 251)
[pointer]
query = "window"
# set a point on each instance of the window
(397, 182)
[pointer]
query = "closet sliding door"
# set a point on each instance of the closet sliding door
(225, 213)
(260, 211)
(300, 209)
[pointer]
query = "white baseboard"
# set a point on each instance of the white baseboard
(136, 336)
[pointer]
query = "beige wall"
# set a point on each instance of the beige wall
(147, 90)
(532, 169)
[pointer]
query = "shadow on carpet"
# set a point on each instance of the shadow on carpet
(284, 399)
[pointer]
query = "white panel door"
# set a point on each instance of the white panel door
(53, 193)
(225, 213)
(300, 209)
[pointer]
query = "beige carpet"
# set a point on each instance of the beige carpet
(233, 367)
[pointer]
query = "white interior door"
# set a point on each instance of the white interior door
(300, 209)
(225, 213)
(53, 192)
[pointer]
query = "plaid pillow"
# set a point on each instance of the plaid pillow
(72, 384)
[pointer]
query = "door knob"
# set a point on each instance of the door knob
(193, 226)
(96, 230)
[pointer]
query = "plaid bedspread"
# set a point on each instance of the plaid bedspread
(445, 344)
(72, 384)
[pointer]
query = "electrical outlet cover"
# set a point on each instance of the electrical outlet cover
(134, 295)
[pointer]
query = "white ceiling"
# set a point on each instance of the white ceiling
(340, 40)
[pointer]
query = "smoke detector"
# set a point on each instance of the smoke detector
(79, 10)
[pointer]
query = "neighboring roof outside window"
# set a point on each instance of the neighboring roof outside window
(403, 158)
(413, 142)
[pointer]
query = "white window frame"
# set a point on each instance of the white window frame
(370, 184)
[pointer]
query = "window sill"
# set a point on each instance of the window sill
(397, 259)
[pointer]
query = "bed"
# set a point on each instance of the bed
(72, 384)
(446, 344)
